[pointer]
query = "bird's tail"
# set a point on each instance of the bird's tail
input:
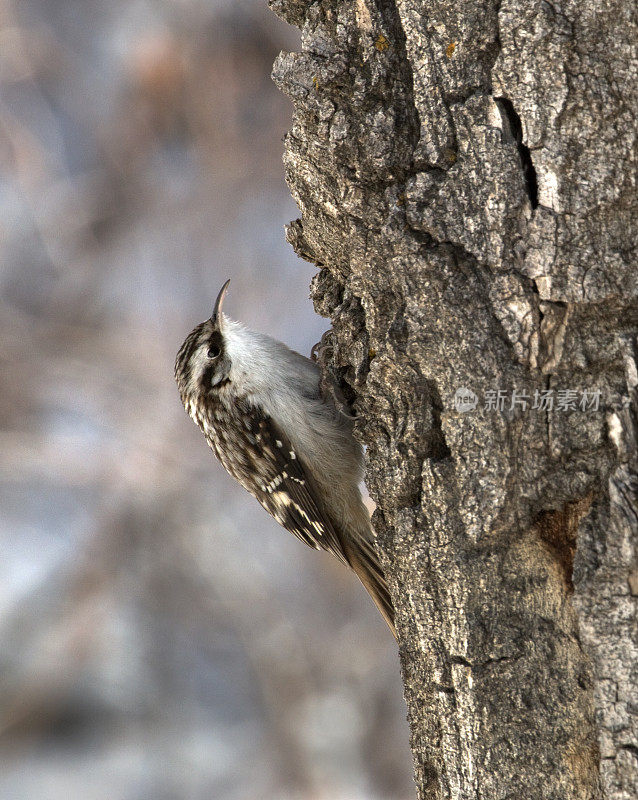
(365, 562)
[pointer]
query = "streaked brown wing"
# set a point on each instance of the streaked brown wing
(277, 478)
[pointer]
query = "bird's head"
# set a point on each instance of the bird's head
(203, 364)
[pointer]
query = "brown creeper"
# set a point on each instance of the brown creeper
(259, 406)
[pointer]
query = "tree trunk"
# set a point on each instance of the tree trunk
(465, 174)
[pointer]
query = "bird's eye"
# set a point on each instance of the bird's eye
(214, 351)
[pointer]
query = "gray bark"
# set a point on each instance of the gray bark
(465, 173)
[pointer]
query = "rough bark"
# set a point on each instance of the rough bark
(465, 174)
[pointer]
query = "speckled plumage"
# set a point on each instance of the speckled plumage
(258, 404)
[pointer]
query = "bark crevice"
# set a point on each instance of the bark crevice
(527, 165)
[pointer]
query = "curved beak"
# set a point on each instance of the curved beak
(216, 318)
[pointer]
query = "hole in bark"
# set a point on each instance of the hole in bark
(529, 173)
(559, 530)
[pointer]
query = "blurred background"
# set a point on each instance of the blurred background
(161, 637)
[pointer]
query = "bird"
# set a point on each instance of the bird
(262, 412)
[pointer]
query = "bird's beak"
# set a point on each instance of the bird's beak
(216, 318)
